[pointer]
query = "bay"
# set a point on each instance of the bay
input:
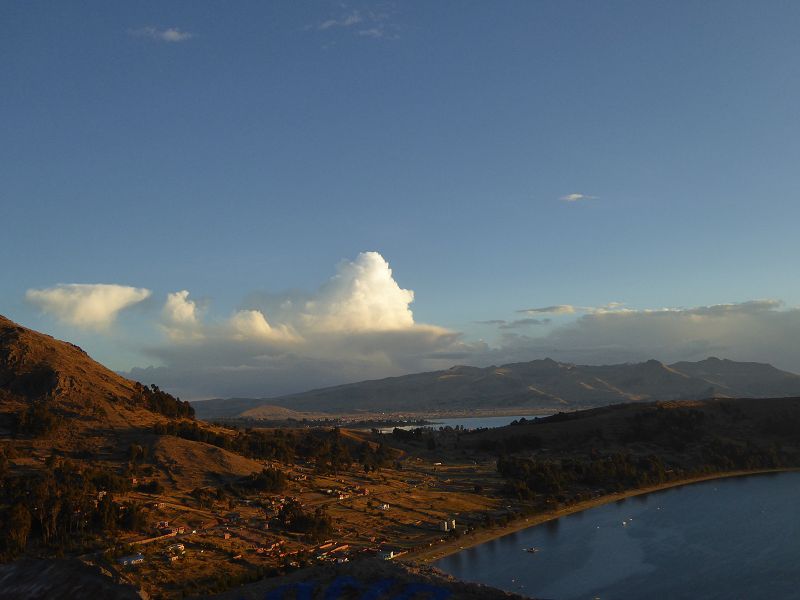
(726, 538)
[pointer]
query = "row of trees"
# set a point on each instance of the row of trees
(156, 400)
(316, 525)
(61, 507)
(528, 477)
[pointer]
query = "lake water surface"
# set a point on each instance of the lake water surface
(466, 422)
(728, 538)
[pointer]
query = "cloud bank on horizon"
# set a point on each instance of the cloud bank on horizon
(359, 325)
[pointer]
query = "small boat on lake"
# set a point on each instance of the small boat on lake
(532, 550)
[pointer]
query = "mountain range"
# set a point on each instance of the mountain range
(524, 386)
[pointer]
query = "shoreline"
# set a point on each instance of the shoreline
(476, 538)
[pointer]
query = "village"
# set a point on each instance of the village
(198, 537)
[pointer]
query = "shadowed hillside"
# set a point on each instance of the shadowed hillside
(539, 384)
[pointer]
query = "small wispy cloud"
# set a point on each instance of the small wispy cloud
(520, 323)
(569, 309)
(557, 309)
(492, 322)
(364, 23)
(373, 32)
(171, 34)
(577, 197)
(353, 18)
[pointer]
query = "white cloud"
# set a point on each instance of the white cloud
(757, 330)
(362, 296)
(519, 323)
(373, 32)
(557, 309)
(348, 20)
(93, 306)
(577, 197)
(371, 24)
(252, 324)
(171, 34)
(180, 316)
(358, 324)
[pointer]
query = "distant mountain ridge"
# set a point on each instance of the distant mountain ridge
(527, 386)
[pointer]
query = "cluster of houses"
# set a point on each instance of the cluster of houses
(346, 492)
(448, 525)
(332, 552)
(164, 529)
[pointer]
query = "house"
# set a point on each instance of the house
(176, 548)
(133, 559)
(171, 558)
(163, 525)
(383, 506)
(226, 536)
(445, 526)
(387, 553)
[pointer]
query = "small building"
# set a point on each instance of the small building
(226, 536)
(453, 524)
(445, 526)
(133, 559)
(387, 553)
(177, 548)
(383, 506)
(171, 558)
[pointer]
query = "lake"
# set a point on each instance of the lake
(466, 422)
(727, 538)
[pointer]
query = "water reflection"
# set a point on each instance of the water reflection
(731, 538)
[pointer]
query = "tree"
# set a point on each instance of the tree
(18, 527)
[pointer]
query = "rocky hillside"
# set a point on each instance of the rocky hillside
(54, 396)
(531, 385)
(41, 375)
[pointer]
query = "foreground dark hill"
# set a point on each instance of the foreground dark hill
(55, 397)
(539, 384)
(47, 378)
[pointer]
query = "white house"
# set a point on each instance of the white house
(133, 559)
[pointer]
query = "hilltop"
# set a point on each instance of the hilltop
(50, 378)
(526, 386)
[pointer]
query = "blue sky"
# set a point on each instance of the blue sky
(242, 151)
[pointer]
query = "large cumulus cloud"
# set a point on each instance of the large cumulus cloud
(357, 325)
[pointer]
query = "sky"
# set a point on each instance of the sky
(260, 198)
